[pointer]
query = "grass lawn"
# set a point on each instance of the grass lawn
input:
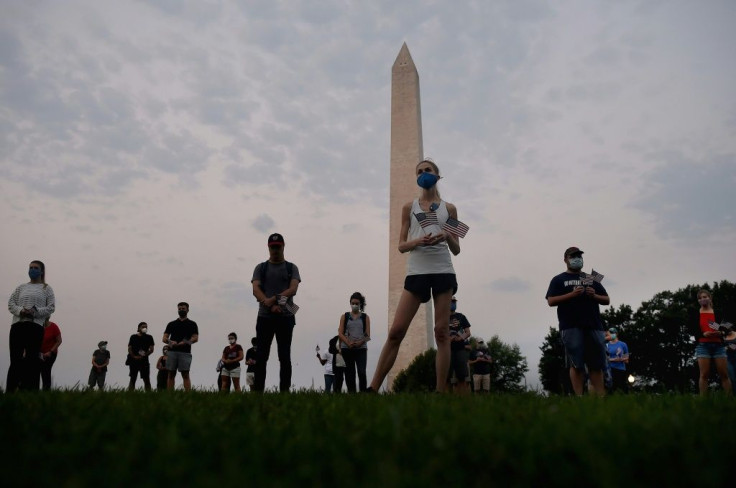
(68, 438)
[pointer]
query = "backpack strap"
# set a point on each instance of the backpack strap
(289, 272)
(264, 267)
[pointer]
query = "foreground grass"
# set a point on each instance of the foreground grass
(307, 439)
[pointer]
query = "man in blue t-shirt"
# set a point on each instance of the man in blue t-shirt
(618, 358)
(577, 299)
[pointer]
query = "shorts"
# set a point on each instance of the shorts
(231, 373)
(710, 350)
(426, 285)
(180, 361)
(585, 347)
(459, 365)
(142, 367)
(482, 382)
(250, 378)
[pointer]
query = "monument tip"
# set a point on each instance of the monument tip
(404, 57)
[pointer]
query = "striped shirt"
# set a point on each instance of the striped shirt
(37, 297)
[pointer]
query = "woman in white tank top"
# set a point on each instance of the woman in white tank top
(429, 273)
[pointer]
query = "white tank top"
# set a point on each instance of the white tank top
(428, 259)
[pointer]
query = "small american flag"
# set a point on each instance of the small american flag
(723, 326)
(586, 279)
(455, 227)
(426, 219)
(289, 306)
(597, 276)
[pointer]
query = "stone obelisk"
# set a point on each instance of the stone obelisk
(406, 152)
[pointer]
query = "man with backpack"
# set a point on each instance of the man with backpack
(275, 283)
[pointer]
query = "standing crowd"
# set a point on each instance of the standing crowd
(430, 233)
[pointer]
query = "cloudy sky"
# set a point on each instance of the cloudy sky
(148, 148)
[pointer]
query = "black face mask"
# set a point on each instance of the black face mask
(182, 313)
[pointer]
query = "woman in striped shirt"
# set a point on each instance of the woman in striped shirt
(31, 304)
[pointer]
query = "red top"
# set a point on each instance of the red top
(50, 334)
(705, 318)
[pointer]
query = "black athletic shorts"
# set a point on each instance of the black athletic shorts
(426, 285)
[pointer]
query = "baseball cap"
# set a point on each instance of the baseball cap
(275, 240)
(101, 343)
(613, 330)
(572, 250)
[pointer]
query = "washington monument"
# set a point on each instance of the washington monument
(406, 153)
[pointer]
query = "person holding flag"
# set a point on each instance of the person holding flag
(275, 282)
(430, 273)
(578, 297)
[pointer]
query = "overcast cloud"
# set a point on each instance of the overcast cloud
(148, 149)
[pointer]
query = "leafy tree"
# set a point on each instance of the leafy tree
(553, 372)
(621, 318)
(508, 366)
(507, 370)
(419, 376)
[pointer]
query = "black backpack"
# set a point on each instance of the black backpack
(362, 318)
(289, 273)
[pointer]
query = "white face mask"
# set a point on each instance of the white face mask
(231, 341)
(355, 307)
(144, 330)
(575, 263)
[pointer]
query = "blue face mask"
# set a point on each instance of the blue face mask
(613, 337)
(427, 180)
(34, 273)
(453, 307)
(576, 263)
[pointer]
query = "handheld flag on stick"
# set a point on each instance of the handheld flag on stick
(455, 227)
(597, 276)
(426, 219)
(722, 327)
(291, 307)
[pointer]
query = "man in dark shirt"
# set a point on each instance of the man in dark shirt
(140, 346)
(577, 299)
(100, 361)
(180, 334)
(250, 361)
(459, 334)
(275, 282)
